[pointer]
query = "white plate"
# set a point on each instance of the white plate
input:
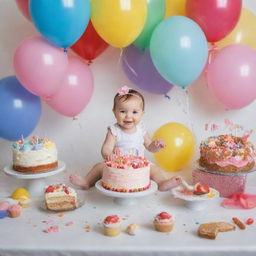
(177, 192)
(8, 170)
(111, 193)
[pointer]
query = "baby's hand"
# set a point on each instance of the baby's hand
(114, 155)
(157, 145)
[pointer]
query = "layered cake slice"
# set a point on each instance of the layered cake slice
(60, 197)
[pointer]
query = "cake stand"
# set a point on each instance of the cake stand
(126, 199)
(35, 181)
(195, 202)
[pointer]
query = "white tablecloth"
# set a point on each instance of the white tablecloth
(25, 236)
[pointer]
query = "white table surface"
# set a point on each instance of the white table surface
(25, 236)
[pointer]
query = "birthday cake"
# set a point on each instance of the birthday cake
(34, 155)
(227, 153)
(126, 174)
(60, 197)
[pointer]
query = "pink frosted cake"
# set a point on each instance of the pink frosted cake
(227, 153)
(126, 174)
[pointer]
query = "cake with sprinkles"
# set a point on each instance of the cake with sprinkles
(227, 153)
(126, 174)
(35, 155)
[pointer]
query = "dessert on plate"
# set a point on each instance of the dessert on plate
(60, 197)
(227, 153)
(127, 174)
(34, 156)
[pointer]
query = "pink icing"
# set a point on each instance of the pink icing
(4, 206)
(235, 161)
(14, 208)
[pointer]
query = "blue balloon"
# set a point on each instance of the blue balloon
(179, 50)
(20, 110)
(61, 22)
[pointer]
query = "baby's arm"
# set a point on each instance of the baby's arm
(153, 146)
(108, 145)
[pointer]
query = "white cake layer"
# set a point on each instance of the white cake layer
(126, 178)
(34, 157)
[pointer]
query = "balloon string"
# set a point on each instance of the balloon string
(119, 59)
(212, 51)
(188, 111)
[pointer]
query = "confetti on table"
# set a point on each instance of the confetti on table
(52, 229)
(60, 214)
(70, 223)
(47, 222)
(87, 228)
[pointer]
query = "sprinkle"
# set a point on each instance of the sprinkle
(60, 214)
(197, 223)
(47, 221)
(249, 221)
(52, 229)
(70, 223)
(87, 228)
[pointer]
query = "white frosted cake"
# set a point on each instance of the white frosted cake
(34, 155)
(60, 197)
(126, 174)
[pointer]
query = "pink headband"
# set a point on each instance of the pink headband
(123, 90)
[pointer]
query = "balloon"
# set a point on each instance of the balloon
(179, 50)
(216, 18)
(90, 45)
(244, 31)
(76, 90)
(119, 22)
(155, 14)
(20, 110)
(175, 8)
(232, 74)
(24, 8)
(61, 22)
(180, 146)
(39, 66)
(138, 67)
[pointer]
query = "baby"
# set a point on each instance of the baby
(128, 134)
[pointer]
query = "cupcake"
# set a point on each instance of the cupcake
(14, 211)
(164, 222)
(24, 201)
(4, 209)
(112, 225)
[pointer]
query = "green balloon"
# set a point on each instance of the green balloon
(155, 14)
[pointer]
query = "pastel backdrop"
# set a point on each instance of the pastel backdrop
(79, 140)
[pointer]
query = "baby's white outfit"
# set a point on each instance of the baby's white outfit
(129, 144)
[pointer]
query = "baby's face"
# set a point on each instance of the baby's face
(128, 113)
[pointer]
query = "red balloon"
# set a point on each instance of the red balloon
(90, 45)
(24, 8)
(216, 18)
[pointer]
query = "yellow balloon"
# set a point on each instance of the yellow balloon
(243, 33)
(175, 7)
(180, 146)
(119, 22)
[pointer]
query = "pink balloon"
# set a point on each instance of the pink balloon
(232, 76)
(76, 89)
(39, 66)
(24, 8)
(216, 18)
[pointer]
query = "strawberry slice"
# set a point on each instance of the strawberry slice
(164, 215)
(201, 189)
(50, 189)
